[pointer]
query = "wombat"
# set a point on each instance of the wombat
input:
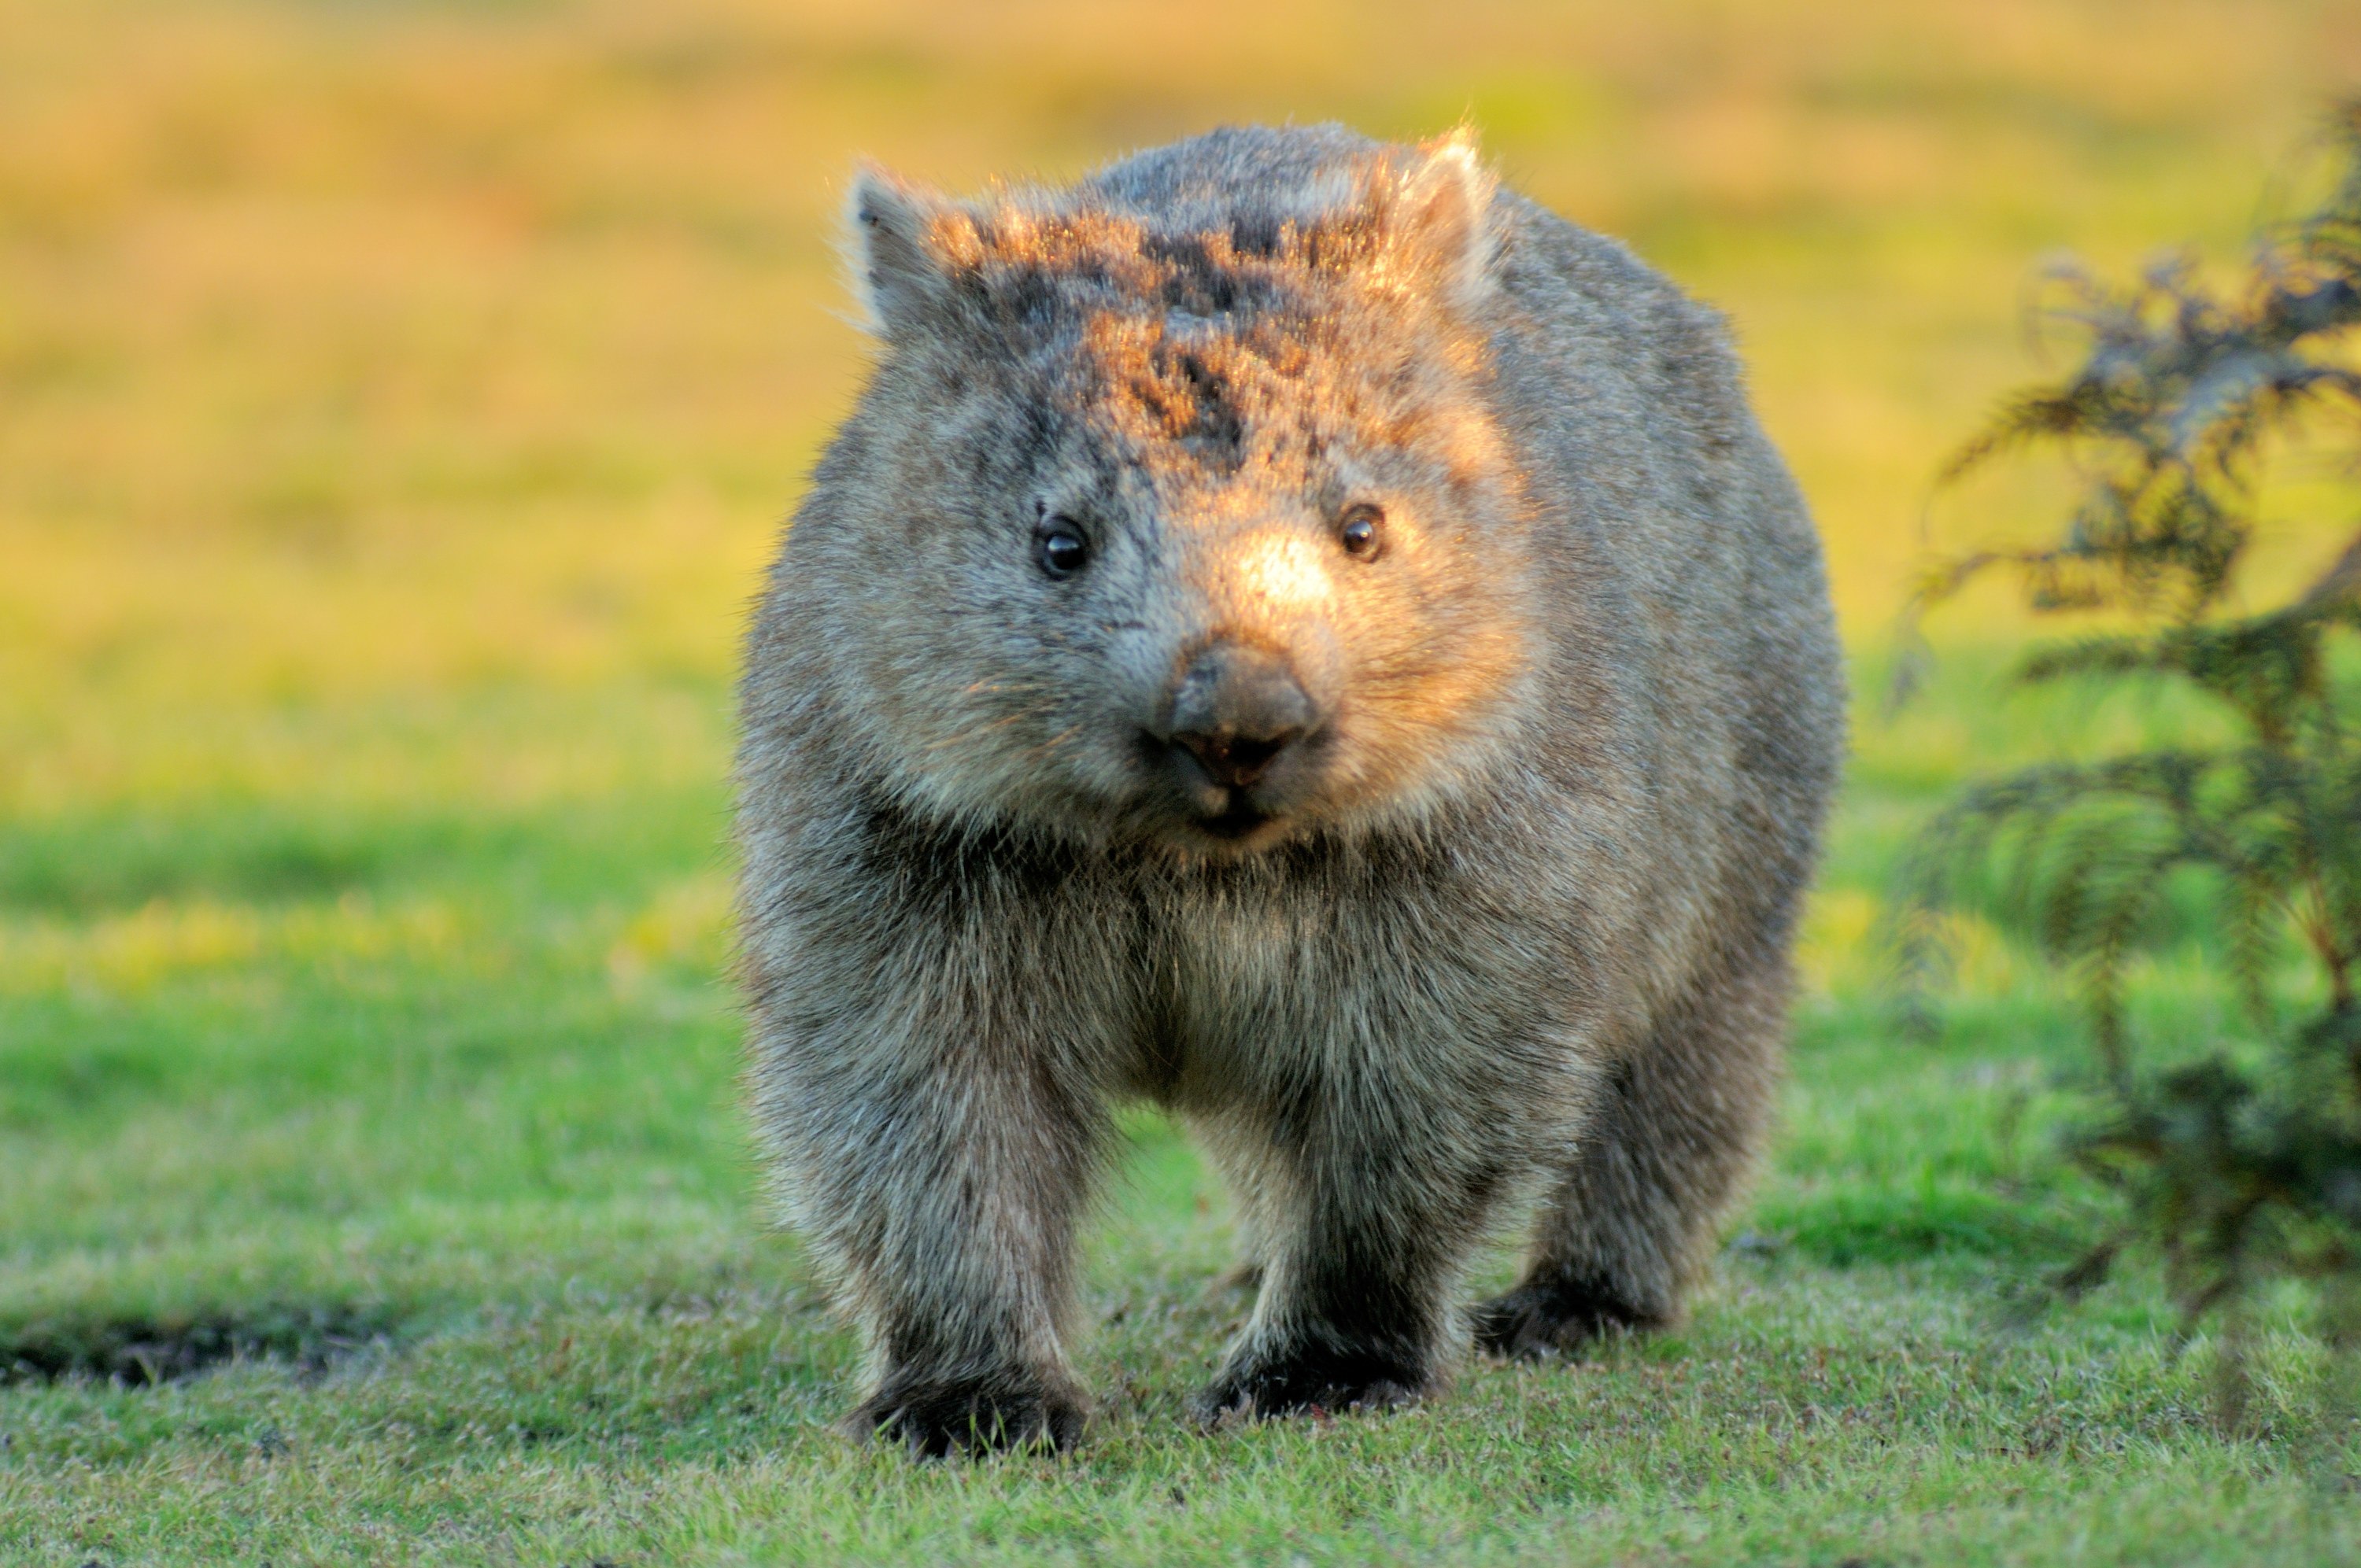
(1296, 634)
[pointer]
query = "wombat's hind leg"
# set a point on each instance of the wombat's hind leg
(1334, 1378)
(1546, 1317)
(935, 1416)
(1354, 1311)
(1674, 1137)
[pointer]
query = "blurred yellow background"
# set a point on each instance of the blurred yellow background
(356, 349)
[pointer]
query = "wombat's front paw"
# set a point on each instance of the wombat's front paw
(935, 1417)
(1554, 1317)
(1304, 1378)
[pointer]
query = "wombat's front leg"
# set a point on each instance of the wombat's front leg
(940, 1169)
(1360, 1259)
(1673, 1139)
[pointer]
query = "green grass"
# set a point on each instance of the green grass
(419, 1100)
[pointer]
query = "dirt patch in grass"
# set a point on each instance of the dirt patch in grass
(142, 1352)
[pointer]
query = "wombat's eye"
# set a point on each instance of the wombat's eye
(1362, 532)
(1059, 548)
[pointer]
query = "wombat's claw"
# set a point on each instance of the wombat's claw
(1307, 1381)
(1536, 1321)
(971, 1416)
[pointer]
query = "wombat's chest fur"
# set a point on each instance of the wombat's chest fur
(1296, 634)
(1202, 985)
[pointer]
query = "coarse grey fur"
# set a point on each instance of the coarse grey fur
(1424, 869)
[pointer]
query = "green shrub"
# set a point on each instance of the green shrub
(2238, 1162)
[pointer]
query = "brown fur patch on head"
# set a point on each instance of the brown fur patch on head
(1413, 234)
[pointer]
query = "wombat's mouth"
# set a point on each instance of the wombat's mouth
(1229, 798)
(1238, 820)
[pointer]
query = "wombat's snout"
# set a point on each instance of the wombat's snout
(1234, 710)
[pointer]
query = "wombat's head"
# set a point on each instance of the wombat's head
(1181, 520)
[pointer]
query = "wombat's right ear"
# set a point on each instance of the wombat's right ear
(1440, 216)
(902, 243)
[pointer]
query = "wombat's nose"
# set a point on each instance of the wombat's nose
(1235, 709)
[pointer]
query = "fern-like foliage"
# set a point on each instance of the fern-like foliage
(2243, 1165)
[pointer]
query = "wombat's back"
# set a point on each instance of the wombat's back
(1641, 448)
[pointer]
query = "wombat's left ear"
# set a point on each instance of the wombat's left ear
(902, 243)
(1439, 219)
